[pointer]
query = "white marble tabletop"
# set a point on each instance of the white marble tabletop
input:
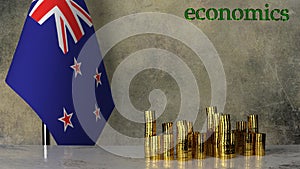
(25, 157)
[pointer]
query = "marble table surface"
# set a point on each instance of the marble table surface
(25, 157)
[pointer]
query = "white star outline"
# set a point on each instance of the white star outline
(98, 81)
(97, 112)
(74, 67)
(62, 119)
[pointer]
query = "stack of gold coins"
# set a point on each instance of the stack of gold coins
(190, 140)
(250, 137)
(210, 111)
(199, 145)
(241, 130)
(260, 144)
(224, 146)
(155, 147)
(150, 124)
(249, 140)
(168, 147)
(226, 138)
(253, 123)
(182, 141)
(215, 136)
(224, 124)
(227, 146)
(150, 131)
(167, 128)
(168, 141)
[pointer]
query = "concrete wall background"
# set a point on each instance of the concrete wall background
(261, 62)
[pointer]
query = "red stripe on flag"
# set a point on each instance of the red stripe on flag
(64, 37)
(42, 10)
(82, 11)
(69, 15)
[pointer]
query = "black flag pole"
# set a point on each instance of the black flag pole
(45, 135)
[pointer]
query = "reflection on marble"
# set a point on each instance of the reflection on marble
(25, 157)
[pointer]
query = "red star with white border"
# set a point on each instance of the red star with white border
(66, 119)
(76, 68)
(98, 78)
(97, 112)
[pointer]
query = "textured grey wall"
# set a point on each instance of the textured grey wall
(261, 62)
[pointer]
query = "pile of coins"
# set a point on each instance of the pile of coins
(225, 143)
(254, 142)
(219, 141)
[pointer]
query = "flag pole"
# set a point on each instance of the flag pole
(45, 135)
(45, 139)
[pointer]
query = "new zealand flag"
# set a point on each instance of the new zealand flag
(54, 70)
